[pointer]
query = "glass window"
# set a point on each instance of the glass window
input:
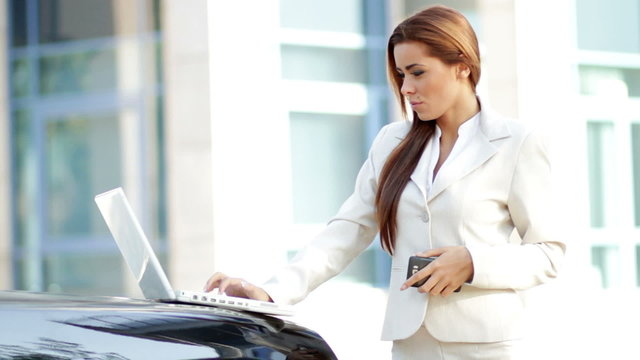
(609, 25)
(602, 80)
(327, 151)
(606, 259)
(18, 11)
(157, 14)
(158, 66)
(20, 78)
(326, 15)
(83, 158)
(68, 20)
(63, 156)
(25, 173)
(323, 64)
(466, 7)
(375, 15)
(26, 271)
(601, 169)
(85, 273)
(25, 182)
(79, 72)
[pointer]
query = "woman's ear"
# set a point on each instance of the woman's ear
(463, 70)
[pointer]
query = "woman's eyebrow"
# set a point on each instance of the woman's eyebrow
(408, 67)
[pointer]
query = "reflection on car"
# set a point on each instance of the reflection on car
(48, 326)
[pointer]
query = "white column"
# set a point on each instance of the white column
(546, 48)
(6, 234)
(188, 142)
(499, 80)
(547, 98)
(132, 129)
(250, 138)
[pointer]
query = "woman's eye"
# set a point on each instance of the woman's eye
(417, 73)
(400, 75)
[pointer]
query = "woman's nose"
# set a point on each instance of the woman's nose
(407, 88)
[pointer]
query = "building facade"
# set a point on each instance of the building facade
(237, 128)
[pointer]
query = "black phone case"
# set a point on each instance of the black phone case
(417, 263)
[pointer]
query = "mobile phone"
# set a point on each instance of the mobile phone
(417, 263)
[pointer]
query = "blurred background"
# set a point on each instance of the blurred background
(237, 129)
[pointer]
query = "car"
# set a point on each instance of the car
(56, 326)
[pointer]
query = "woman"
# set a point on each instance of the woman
(455, 182)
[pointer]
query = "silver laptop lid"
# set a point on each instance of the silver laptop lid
(134, 245)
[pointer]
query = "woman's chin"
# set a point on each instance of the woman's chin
(425, 116)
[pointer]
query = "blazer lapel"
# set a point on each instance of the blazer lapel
(480, 148)
(419, 175)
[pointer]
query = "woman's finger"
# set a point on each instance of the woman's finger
(214, 281)
(438, 288)
(423, 273)
(236, 287)
(224, 284)
(433, 252)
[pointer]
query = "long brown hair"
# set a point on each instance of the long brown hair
(449, 37)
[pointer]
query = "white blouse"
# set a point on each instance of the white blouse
(466, 132)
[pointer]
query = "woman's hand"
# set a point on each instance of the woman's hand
(236, 287)
(449, 271)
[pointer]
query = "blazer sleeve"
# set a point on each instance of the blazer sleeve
(537, 258)
(347, 235)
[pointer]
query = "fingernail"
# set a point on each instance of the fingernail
(403, 287)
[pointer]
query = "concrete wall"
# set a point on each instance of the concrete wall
(250, 139)
(188, 142)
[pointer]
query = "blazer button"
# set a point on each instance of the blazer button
(425, 217)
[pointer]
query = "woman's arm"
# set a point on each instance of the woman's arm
(347, 235)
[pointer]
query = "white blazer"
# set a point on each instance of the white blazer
(499, 183)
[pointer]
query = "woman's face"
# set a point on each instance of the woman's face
(433, 88)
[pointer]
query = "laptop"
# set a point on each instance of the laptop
(144, 265)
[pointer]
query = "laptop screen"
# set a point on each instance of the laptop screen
(133, 244)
